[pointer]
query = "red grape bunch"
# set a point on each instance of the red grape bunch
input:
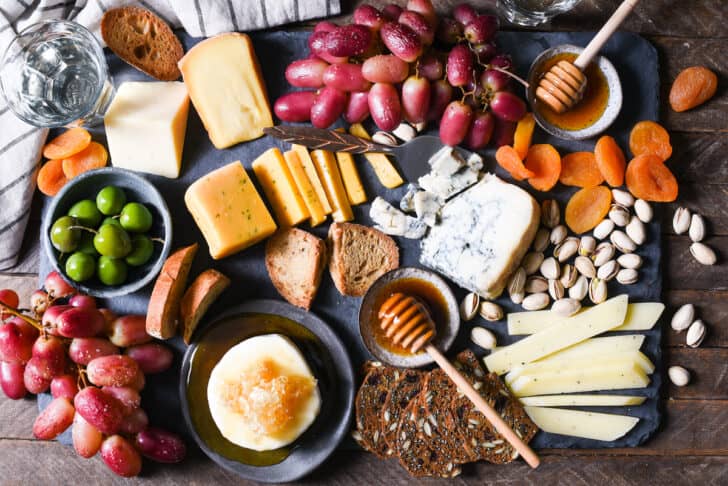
(407, 64)
(93, 363)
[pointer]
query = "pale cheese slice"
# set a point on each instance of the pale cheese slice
(585, 400)
(599, 346)
(383, 168)
(310, 169)
(305, 188)
(575, 423)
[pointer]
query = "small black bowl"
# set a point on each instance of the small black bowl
(137, 189)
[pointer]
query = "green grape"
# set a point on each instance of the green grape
(111, 220)
(141, 252)
(64, 235)
(112, 241)
(80, 267)
(112, 271)
(86, 213)
(110, 200)
(86, 245)
(135, 217)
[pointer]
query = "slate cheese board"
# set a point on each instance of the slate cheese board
(636, 62)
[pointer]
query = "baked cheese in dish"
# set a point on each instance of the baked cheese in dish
(262, 394)
(482, 236)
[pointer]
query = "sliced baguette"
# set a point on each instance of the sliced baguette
(163, 311)
(358, 256)
(295, 260)
(200, 295)
(143, 40)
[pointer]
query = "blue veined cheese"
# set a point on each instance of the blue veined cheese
(482, 236)
(407, 203)
(392, 221)
(450, 173)
(427, 206)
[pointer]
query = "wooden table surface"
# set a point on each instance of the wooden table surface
(692, 444)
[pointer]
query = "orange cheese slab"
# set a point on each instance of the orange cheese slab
(305, 188)
(279, 187)
(328, 171)
(312, 174)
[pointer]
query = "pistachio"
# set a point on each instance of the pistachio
(608, 271)
(419, 126)
(541, 240)
(550, 268)
(385, 138)
(517, 281)
(683, 317)
(627, 276)
(603, 253)
(622, 242)
(597, 291)
(703, 254)
(536, 284)
(587, 245)
(566, 249)
(536, 301)
(603, 229)
(630, 260)
(405, 132)
(585, 266)
(550, 213)
(490, 311)
(580, 288)
(556, 289)
(566, 307)
(643, 210)
(697, 228)
(532, 262)
(623, 198)
(681, 220)
(469, 306)
(558, 234)
(679, 376)
(636, 230)
(518, 297)
(619, 215)
(696, 334)
(483, 337)
(568, 276)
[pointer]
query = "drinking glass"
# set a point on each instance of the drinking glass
(531, 13)
(54, 74)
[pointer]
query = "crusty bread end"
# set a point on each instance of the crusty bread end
(198, 298)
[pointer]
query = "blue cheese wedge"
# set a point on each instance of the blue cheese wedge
(427, 206)
(392, 221)
(450, 173)
(482, 236)
(407, 204)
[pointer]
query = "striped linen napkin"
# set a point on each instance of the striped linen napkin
(21, 144)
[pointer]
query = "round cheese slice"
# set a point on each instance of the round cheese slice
(262, 394)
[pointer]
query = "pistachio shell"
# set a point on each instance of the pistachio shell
(550, 213)
(623, 198)
(696, 334)
(517, 281)
(603, 229)
(580, 288)
(587, 245)
(566, 249)
(585, 266)
(385, 138)
(597, 291)
(568, 276)
(630, 260)
(619, 215)
(566, 307)
(556, 289)
(627, 276)
(636, 230)
(703, 254)
(608, 271)
(622, 242)
(603, 253)
(532, 262)
(697, 228)
(483, 337)
(405, 132)
(536, 284)
(558, 234)
(469, 306)
(683, 317)
(679, 376)
(536, 301)
(490, 311)
(550, 268)
(541, 240)
(643, 210)
(681, 220)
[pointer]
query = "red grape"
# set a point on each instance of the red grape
(459, 65)
(419, 25)
(415, 99)
(151, 357)
(128, 397)
(484, 52)
(502, 61)
(25, 328)
(121, 457)
(455, 123)
(385, 68)
(384, 106)
(86, 438)
(480, 130)
(348, 40)
(357, 107)
(481, 29)
(53, 351)
(100, 409)
(464, 13)
(138, 383)
(12, 381)
(57, 287)
(425, 9)
(440, 95)
(507, 106)
(430, 67)
(15, 345)
(50, 316)
(39, 302)
(503, 132)
(368, 16)
(345, 77)
(402, 41)
(316, 44)
(327, 107)
(392, 12)
(83, 350)
(306, 73)
(83, 301)
(494, 81)
(80, 322)
(160, 445)
(449, 31)
(129, 330)
(64, 386)
(109, 316)
(8, 297)
(54, 419)
(135, 422)
(114, 370)
(295, 107)
(36, 376)
(324, 26)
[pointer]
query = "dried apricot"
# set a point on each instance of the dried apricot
(649, 178)
(648, 137)
(508, 158)
(92, 157)
(51, 177)
(68, 143)
(692, 87)
(524, 132)
(610, 160)
(580, 169)
(587, 208)
(545, 163)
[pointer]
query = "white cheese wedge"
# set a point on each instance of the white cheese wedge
(599, 346)
(482, 236)
(145, 127)
(586, 400)
(575, 423)
(641, 316)
(598, 319)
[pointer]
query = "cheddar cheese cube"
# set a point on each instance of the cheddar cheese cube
(228, 210)
(277, 182)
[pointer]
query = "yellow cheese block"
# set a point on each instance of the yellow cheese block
(383, 168)
(329, 173)
(312, 174)
(305, 188)
(228, 210)
(273, 175)
(350, 175)
(585, 400)
(227, 88)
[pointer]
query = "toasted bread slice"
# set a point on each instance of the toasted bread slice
(295, 260)
(358, 256)
(143, 40)
(164, 304)
(200, 295)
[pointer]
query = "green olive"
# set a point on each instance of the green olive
(112, 241)
(110, 200)
(112, 271)
(135, 217)
(86, 213)
(142, 249)
(64, 235)
(80, 267)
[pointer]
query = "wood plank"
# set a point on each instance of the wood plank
(710, 307)
(682, 272)
(696, 157)
(709, 373)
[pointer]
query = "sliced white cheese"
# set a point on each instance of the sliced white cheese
(392, 221)
(598, 319)
(641, 316)
(585, 400)
(619, 376)
(575, 423)
(599, 346)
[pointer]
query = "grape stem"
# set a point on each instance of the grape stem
(508, 73)
(158, 240)
(15, 312)
(84, 228)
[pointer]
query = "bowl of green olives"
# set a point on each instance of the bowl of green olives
(108, 232)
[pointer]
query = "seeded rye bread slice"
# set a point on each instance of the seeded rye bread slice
(402, 393)
(368, 406)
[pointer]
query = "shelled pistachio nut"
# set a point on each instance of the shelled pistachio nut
(541, 240)
(532, 262)
(580, 288)
(483, 337)
(636, 230)
(627, 276)
(535, 302)
(622, 242)
(566, 307)
(683, 317)
(597, 290)
(587, 245)
(608, 271)
(679, 376)
(697, 228)
(603, 229)
(550, 268)
(550, 213)
(536, 284)
(681, 220)
(623, 198)
(585, 266)
(558, 234)
(703, 254)
(490, 311)
(630, 260)
(696, 334)
(603, 253)
(643, 210)
(619, 215)
(469, 306)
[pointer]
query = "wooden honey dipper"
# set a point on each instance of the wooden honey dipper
(564, 84)
(406, 321)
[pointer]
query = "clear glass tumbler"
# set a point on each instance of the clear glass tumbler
(531, 13)
(54, 74)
